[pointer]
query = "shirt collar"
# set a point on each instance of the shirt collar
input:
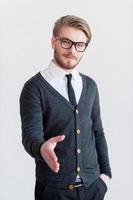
(59, 73)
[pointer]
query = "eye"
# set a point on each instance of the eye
(80, 44)
(66, 42)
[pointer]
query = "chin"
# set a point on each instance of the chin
(70, 65)
(65, 64)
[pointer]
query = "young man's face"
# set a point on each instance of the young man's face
(68, 58)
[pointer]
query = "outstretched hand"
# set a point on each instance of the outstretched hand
(48, 154)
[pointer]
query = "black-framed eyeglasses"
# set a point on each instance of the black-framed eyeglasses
(67, 44)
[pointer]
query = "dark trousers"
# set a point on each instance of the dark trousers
(95, 192)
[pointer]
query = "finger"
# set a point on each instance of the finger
(58, 138)
(52, 155)
(52, 164)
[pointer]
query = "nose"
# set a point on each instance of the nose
(73, 49)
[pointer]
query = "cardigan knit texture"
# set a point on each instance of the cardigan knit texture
(45, 113)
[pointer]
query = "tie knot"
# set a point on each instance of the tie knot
(69, 77)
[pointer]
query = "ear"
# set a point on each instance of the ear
(53, 41)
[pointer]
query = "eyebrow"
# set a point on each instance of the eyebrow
(71, 40)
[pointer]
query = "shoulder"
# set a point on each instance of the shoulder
(31, 86)
(32, 81)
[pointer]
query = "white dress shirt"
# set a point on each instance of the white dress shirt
(55, 76)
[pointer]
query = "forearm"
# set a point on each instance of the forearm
(32, 145)
(100, 140)
(102, 153)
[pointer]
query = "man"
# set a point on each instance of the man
(61, 123)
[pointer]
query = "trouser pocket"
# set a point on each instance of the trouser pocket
(102, 188)
(102, 182)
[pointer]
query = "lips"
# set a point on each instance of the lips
(70, 56)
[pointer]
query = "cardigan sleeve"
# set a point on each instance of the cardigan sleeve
(100, 140)
(31, 119)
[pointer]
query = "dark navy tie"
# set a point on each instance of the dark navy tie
(71, 94)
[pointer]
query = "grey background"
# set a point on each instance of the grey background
(25, 33)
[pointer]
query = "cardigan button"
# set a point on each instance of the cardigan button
(78, 151)
(78, 169)
(78, 131)
(70, 187)
(77, 111)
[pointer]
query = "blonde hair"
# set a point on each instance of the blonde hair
(72, 21)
